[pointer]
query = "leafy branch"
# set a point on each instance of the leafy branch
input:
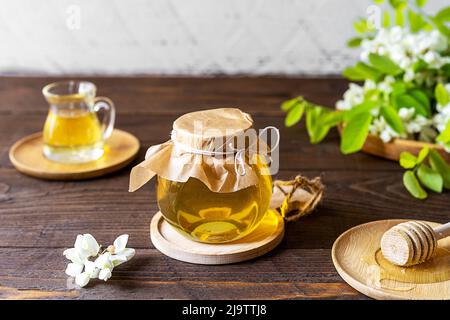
(319, 120)
(426, 171)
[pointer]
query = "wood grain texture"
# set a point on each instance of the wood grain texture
(39, 219)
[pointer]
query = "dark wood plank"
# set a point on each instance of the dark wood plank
(171, 96)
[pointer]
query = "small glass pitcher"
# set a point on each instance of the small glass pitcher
(72, 132)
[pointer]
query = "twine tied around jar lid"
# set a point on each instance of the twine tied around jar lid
(201, 146)
(239, 154)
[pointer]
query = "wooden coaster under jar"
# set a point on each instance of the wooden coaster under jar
(214, 186)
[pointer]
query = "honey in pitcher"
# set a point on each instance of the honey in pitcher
(213, 217)
(72, 134)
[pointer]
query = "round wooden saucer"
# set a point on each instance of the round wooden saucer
(352, 253)
(26, 155)
(172, 243)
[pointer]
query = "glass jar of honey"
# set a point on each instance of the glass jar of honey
(210, 185)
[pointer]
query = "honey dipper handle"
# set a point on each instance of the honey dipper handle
(442, 231)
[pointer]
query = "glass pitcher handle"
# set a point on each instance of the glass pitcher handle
(110, 116)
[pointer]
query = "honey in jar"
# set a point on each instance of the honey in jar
(210, 216)
(208, 198)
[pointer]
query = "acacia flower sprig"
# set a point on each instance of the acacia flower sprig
(88, 261)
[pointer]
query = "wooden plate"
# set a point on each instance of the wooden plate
(26, 155)
(172, 243)
(392, 150)
(351, 248)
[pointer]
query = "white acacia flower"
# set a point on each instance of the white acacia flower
(83, 269)
(120, 253)
(104, 261)
(417, 124)
(73, 255)
(380, 128)
(74, 269)
(440, 120)
(406, 48)
(406, 113)
(105, 274)
(409, 75)
(86, 245)
(352, 97)
(91, 269)
(82, 279)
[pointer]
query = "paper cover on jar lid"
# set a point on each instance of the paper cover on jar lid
(188, 153)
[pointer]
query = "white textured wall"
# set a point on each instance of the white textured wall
(178, 36)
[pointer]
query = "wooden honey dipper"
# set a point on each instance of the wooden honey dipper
(413, 242)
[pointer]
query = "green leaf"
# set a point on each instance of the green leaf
(421, 3)
(351, 73)
(317, 131)
(333, 118)
(416, 21)
(445, 69)
(423, 154)
(444, 136)
(378, 1)
(287, 105)
(368, 71)
(364, 107)
(430, 178)
(441, 94)
(354, 42)
(419, 66)
(355, 132)
(422, 97)
(396, 4)
(399, 16)
(361, 26)
(441, 166)
(393, 119)
(398, 88)
(440, 25)
(362, 71)
(413, 186)
(443, 15)
(407, 160)
(294, 115)
(384, 64)
(386, 20)
(408, 101)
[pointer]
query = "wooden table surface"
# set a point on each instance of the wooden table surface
(39, 219)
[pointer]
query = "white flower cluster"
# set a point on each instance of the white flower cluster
(86, 247)
(418, 124)
(355, 95)
(406, 49)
